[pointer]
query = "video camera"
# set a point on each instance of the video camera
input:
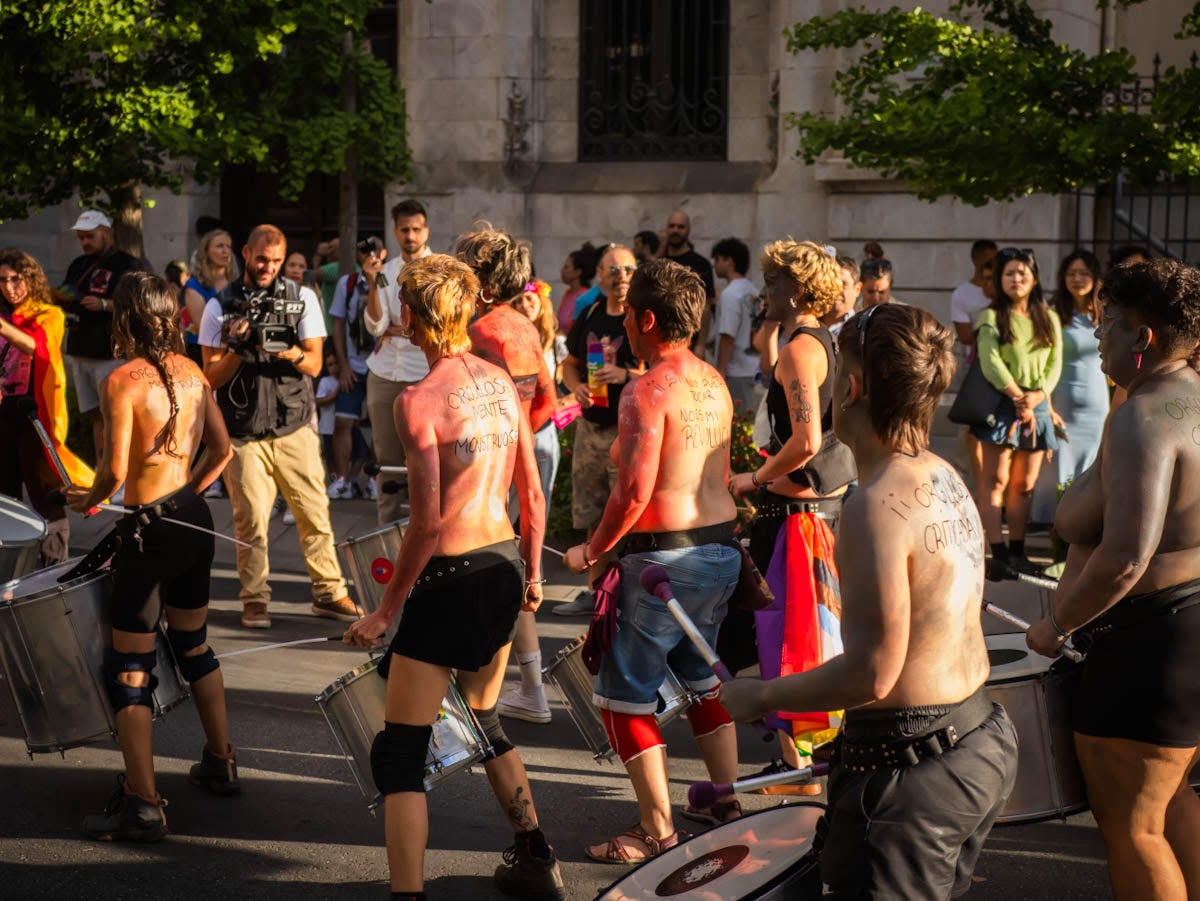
(260, 305)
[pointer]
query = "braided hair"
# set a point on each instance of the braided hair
(146, 324)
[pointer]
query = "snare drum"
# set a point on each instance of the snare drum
(354, 708)
(759, 857)
(52, 645)
(1038, 698)
(569, 674)
(370, 559)
(21, 535)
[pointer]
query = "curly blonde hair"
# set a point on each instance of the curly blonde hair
(29, 269)
(810, 267)
(441, 293)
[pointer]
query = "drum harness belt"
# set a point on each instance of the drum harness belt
(826, 508)
(646, 542)
(882, 750)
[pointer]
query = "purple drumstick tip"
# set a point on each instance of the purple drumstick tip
(703, 795)
(656, 581)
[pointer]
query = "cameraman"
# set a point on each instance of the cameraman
(261, 337)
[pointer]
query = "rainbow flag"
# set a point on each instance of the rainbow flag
(45, 324)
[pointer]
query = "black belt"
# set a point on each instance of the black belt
(1133, 611)
(769, 508)
(644, 542)
(864, 753)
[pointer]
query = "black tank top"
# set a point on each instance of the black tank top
(777, 407)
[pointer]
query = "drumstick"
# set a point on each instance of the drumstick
(29, 405)
(374, 469)
(656, 581)
(116, 508)
(282, 644)
(1039, 581)
(1000, 613)
(703, 795)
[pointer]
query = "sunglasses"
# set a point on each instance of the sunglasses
(617, 270)
(875, 268)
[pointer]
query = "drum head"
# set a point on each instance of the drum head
(19, 525)
(736, 860)
(45, 581)
(1011, 658)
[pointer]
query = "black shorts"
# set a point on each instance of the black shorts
(1141, 678)
(462, 609)
(170, 566)
(916, 832)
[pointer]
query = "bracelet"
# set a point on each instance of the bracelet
(754, 478)
(535, 581)
(1057, 628)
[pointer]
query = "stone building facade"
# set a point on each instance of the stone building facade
(494, 112)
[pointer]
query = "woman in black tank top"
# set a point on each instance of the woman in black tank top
(803, 283)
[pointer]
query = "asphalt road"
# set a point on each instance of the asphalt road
(301, 829)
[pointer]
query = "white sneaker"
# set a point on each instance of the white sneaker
(216, 489)
(340, 489)
(532, 707)
(372, 490)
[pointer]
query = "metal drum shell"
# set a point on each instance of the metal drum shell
(21, 534)
(361, 553)
(569, 674)
(53, 639)
(354, 706)
(1038, 699)
(776, 842)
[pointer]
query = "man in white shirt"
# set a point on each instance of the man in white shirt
(968, 299)
(851, 288)
(396, 362)
(737, 360)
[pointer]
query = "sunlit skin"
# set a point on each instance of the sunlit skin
(412, 234)
(220, 258)
(850, 291)
(679, 228)
(1080, 283)
(877, 290)
(1132, 520)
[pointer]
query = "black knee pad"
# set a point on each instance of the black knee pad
(398, 758)
(489, 722)
(122, 695)
(196, 666)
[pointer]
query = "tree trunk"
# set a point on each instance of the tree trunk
(348, 178)
(127, 218)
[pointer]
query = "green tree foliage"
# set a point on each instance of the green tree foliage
(993, 110)
(104, 95)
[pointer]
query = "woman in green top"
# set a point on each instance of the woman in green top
(1019, 339)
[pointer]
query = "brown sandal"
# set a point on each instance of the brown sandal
(720, 813)
(616, 850)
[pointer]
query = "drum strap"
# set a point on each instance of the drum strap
(866, 752)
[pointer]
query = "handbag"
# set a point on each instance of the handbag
(752, 592)
(603, 626)
(977, 401)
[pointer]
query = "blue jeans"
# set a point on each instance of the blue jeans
(648, 638)
(548, 453)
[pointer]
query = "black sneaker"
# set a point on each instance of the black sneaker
(1026, 567)
(128, 818)
(218, 776)
(998, 570)
(525, 876)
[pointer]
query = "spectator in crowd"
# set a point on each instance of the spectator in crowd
(396, 362)
(599, 364)
(352, 345)
(737, 360)
(798, 488)
(872, 250)
(295, 266)
(528, 701)
(202, 226)
(578, 270)
(967, 301)
(595, 292)
(679, 249)
(267, 401)
(877, 283)
(327, 392)
(92, 280)
(1128, 253)
(645, 245)
(31, 372)
(844, 309)
(1079, 403)
(176, 273)
(1019, 340)
(213, 270)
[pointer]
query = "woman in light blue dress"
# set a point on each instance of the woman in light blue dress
(1080, 401)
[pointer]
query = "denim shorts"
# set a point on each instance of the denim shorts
(1003, 433)
(349, 404)
(648, 638)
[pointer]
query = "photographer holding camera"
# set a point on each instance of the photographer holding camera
(262, 337)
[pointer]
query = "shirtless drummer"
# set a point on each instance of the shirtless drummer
(925, 762)
(156, 408)
(465, 441)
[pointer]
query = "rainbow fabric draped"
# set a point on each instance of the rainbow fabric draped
(802, 629)
(45, 324)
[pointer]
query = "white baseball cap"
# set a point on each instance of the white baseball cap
(89, 220)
